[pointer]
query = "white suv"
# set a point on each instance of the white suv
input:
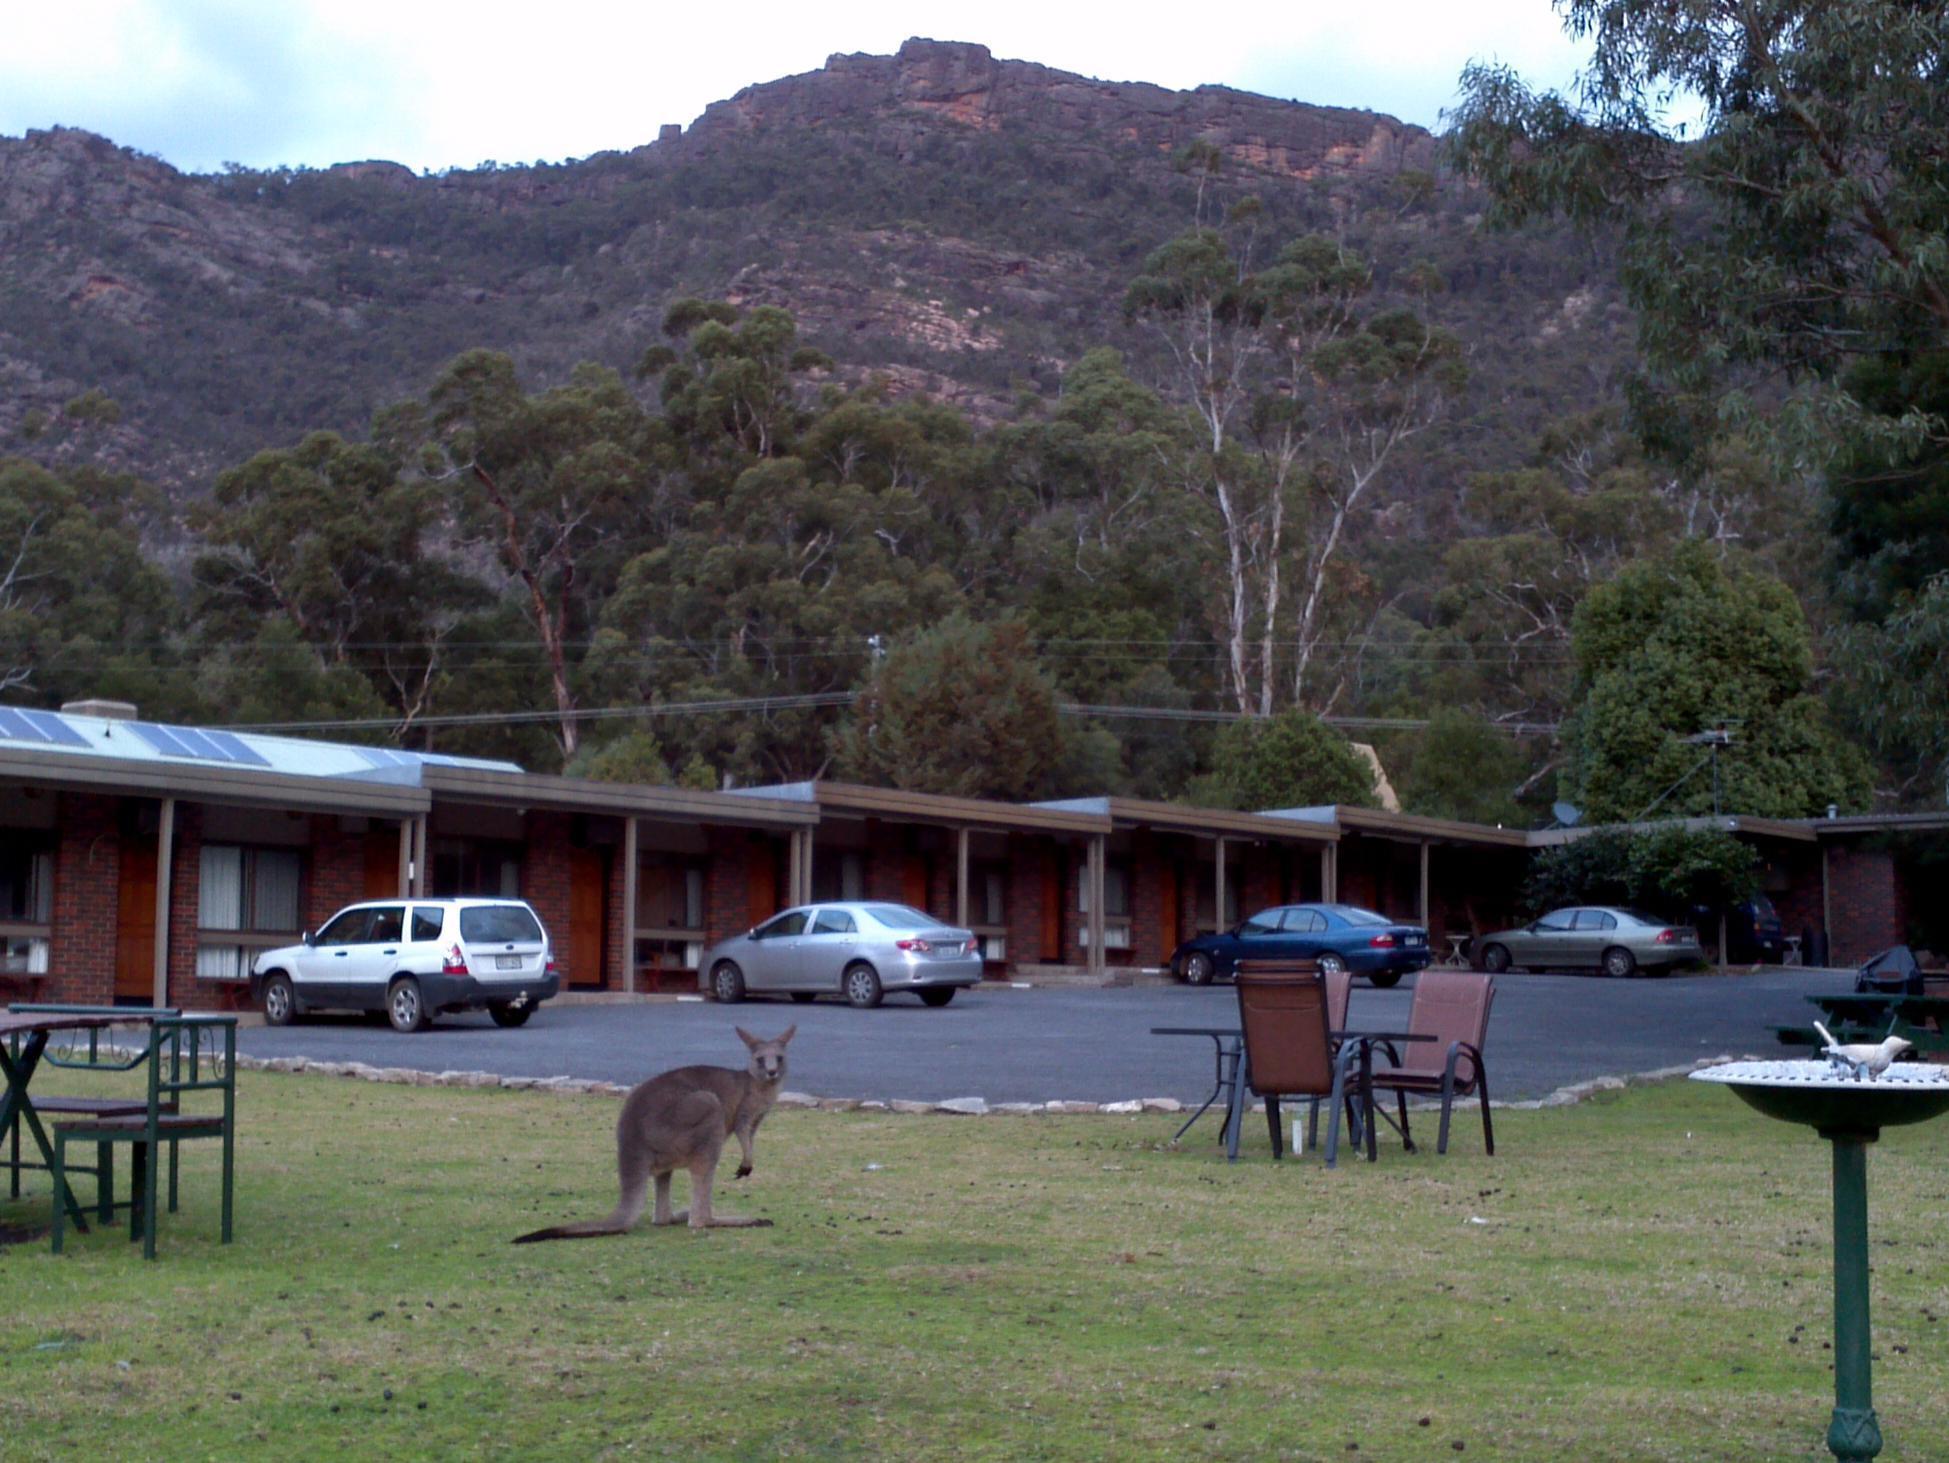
(413, 958)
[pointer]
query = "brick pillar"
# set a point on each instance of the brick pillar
(886, 862)
(729, 882)
(87, 877)
(1075, 924)
(185, 891)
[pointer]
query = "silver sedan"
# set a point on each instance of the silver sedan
(1616, 941)
(861, 950)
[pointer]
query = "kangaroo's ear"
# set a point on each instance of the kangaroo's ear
(747, 1038)
(788, 1034)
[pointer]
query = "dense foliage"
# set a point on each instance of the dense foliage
(1673, 872)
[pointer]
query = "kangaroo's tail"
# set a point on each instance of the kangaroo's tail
(588, 1229)
(622, 1219)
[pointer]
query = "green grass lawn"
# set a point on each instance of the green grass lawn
(1642, 1276)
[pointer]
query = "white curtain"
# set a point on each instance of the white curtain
(220, 962)
(40, 890)
(220, 890)
(275, 875)
(693, 899)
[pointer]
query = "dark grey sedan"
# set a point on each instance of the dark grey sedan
(1616, 941)
(860, 950)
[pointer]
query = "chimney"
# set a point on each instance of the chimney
(107, 710)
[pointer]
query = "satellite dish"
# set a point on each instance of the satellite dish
(1568, 814)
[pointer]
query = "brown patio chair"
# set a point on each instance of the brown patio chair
(1453, 1007)
(1284, 1011)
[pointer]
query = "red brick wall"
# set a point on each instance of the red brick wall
(886, 863)
(1152, 934)
(185, 891)
(87, 868)
(334, 870)
(1259, 878)
(734, 853)
(1025, 873)
(545, 879)
(1866, 902)
(617, 958)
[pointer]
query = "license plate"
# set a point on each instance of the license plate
(507, 962)
(1414, 939)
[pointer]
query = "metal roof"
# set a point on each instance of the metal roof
(133, 741)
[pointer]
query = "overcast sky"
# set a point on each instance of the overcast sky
(434, 84)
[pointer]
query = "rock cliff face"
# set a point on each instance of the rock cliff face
(934, 81)
(960, 225)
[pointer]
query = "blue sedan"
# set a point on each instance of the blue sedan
(1338, 936)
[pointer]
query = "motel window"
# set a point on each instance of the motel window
(475, 869)
(251, 894)
(669, 913)
(26, 907)
(839, 877)
(1116, 906)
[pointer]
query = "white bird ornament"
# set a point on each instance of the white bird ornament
(1862, 1059)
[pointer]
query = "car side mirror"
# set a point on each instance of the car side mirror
(310, 938)
(751, 934)
(1534, 926)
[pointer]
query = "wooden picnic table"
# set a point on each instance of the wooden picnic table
(1872, 1015)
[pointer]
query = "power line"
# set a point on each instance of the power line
(765, 704)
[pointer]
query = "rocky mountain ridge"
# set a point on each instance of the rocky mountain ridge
(961, 225)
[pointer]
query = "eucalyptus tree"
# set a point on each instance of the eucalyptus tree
(1300, 391)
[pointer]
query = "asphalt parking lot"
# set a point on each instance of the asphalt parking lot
(1011, 1045)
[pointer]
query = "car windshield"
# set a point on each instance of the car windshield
(1353, 914)
(901, 916)
(497, 924)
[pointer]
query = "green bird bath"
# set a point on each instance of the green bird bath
(1849, 1112)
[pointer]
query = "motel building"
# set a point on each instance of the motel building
(147, 864)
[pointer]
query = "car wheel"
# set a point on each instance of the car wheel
(805, 998)
(862, 984)
(507, 1014)
(1197, 968)
(405, 1007)
(937, 995)
(1331, 964)
(1495, 959)
(280, 1001)
(1619, 962)
(1384, 980)
(727, 983)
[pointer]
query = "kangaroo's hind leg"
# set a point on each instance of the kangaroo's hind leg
(703, 1170)
(661, 1214)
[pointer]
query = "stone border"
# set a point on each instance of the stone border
(952, 1106)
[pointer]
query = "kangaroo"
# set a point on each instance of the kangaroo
(680, 1119)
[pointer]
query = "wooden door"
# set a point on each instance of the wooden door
(135, 920)
(588, 891)
(382, 864)
(913, 880)
(1167, 908)
(761, 882)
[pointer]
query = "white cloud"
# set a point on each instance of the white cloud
(435, 83)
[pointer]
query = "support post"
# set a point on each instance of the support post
(1423, 916)
(794, 866)
(165, 858)
(1826, 912)
(961, 877)
(422, 878)
(404, 885)
(805, 866)
(1854, 1431)
(1095, 875)
(631, 876)
(1218, 889)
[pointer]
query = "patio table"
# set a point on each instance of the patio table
(35, 1028)
(1235, 1073)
